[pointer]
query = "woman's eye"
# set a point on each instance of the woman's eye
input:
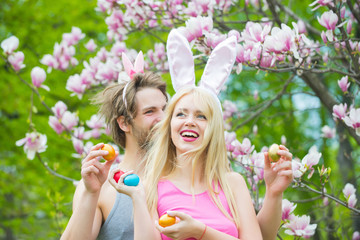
(180, 114)
(202, 116)
(148, 112)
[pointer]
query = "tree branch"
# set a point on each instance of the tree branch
(326, 98)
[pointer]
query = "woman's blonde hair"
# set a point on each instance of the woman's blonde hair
(210, 156)
(111, 104)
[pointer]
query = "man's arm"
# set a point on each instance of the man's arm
(85, 222)
(278, 177)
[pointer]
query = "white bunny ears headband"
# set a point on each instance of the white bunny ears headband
(130, 70)
(181, 64)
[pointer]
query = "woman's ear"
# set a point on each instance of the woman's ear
(122, 124)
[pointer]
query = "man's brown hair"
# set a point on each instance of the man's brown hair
(112, 106)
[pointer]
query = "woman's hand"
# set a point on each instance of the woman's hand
(93, 172)
(132, 191)
(184, 228)
(279, 175)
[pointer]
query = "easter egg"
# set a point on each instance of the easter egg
(274, 156)
(111, 150)
(131, 180)
(117, 175)
(166, 220)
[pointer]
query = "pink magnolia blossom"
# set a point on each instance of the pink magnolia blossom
(74, 37)
(281, 40)
(198, 8)
(256, 95)
(119, 47)
(307, 163)
(56, 124)
(103, 6)
(258, 160)
(33, 142)
(49, 61)
(196, 27)
(84, 151)
(301, 26)
(80, 133)
(342, 12)
(38, 76)
(59, 109)
(75, 85)
(95, 133)
(344, 84)
(95, 122)
(356, 236)
(91, 45)
(348, 190)
(353, 120)
(255, 129)
(321, 3)
(328, 20)
(229, 138)
(312, 158)
(352, 200)
(230, 109)
(349, 26)
(327, 132)
(255, 32)
(324, 37)
(234, 33)
(244, 148)
(297, 167)
(10, 44)
(78, 145)
(16, 60)
(213, 39)
(107, 72)
(287, 209)
(300, 226)
(69, 120)
(339, 111)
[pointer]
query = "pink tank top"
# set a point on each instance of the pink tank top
(200, 207)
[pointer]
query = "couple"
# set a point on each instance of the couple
(187, 172)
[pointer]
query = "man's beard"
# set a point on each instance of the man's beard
(142, 137)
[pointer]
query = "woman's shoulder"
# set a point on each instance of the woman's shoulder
(235, 179)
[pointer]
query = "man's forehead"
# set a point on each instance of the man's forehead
(150, 98)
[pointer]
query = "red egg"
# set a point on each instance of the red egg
(117, 175)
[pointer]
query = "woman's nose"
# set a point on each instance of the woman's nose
(190, 121)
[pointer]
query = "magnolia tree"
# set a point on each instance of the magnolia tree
(314, 53)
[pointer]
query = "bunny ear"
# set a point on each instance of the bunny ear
(181, 61)
(127, 64)
(219, 65)
(139, 63)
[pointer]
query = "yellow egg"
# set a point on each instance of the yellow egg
(166, 220)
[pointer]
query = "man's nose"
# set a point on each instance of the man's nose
(160, 115)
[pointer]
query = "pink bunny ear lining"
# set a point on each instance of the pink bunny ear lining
(139, 63)
(181, 61)
(131, 69)
(127, 64)
(219, 65)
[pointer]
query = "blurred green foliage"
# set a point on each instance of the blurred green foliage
(37, 205)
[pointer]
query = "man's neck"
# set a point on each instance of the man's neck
(133, 158)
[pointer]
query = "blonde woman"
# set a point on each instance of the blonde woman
(188, 174)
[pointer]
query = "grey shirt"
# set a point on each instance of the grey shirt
(119, 224)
